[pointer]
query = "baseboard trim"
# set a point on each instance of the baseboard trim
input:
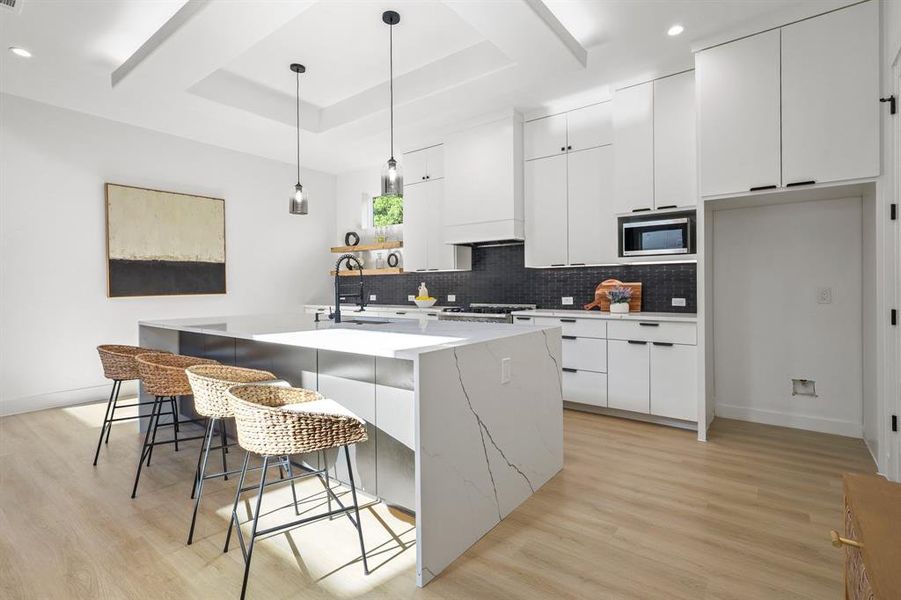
(634, 416)
(772, 417)
(74, 397)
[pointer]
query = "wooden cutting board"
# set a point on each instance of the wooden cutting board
(602, 302)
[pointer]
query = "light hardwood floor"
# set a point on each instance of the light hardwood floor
(640, 511)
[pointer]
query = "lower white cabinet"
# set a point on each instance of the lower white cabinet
(585, 354)
(628, 375)
(674, 381)
(584, 387)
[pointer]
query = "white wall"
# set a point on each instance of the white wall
(53, 304)
(768, 326)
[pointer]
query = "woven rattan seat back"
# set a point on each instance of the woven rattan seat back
(119, 361)
(211, 382)
(164, 374)
(266, 427)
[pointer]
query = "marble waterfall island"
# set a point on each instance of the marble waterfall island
(465, 419)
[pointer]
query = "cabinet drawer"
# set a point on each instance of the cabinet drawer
(585, 387)
(525, 321)
(654, 331)
(585, 354)
(590, 328)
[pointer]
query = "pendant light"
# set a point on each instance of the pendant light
(298, 204)
(392, 176)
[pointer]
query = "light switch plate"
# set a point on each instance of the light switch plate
(411, 298)
(506, 370)
(566, 300)
(451, 298)
(824, 295)
(678, 301)
(372, 297)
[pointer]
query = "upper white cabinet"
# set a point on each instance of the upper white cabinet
(792, 106)
(545, 137)
(424, 248)
(483, 175)
(591, 216)
(738, 124)
(579, 129)
(546, 211)
(675, 142)
(423, 165)
(633, 143)
(830, 83)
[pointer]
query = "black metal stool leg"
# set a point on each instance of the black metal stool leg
(147, 448)
(328, 482)
(208, 439)
(174, 404)
(156, 425)
(223, 436)
(106, 418)
(199, 460)
(253, 529)
(113, 412)
(359, 524)
(293, 490)
(234, 517)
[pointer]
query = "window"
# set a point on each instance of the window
(387, 210)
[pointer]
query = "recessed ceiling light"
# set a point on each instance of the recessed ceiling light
(20, 51)
(675, 30)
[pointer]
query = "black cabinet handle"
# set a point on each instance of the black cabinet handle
(523, 318)
(650, 324)
(638, 342)
(400, 313)
(763, 187)
(797, 183)
(640, 209)
(558, 265)
(562, 149)
(568, 370)
(569, 147)
(428, 176)
(567, 320)
(568, 337)
(668, 206)
(577, 264)
(662, 344)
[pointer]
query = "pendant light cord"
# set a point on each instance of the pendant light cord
(391, 80)
(297, 96)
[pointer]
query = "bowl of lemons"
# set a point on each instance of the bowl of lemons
(425, 301)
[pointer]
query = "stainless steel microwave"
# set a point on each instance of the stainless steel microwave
(657, 235)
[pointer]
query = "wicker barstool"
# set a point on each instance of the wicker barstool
(118, 365)
(209, 383)
(163, 375)
(277, 421)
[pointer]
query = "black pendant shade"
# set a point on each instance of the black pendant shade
(392, 176)
(298, 204)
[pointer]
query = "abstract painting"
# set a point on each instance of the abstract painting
(163, 243)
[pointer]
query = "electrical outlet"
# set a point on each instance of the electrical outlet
(372, 297)
(824, 295)
(451, 298)
(506, 368)
(566, 300)
(678, 301)
(411, 297)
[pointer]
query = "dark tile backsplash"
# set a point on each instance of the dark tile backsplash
(499, 275)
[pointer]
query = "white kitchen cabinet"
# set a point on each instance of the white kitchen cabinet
(589, 127)
(483, 173)
(424, 249)
(585, 354)
(423, 165)
(417, 217)
(546, 212)
(675, 142)
(628, 375)
(739, 114)
(633, 143)
(830, 83)
(674, 381)
(584, 387)
(544, 137)
(591, 223)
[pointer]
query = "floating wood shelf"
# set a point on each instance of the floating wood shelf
(356, 273)
(365, 247)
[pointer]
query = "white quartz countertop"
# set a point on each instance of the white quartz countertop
(402, 338)
(410, 308)
(596, 314)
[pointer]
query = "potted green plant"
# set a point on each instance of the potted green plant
(619, 299)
